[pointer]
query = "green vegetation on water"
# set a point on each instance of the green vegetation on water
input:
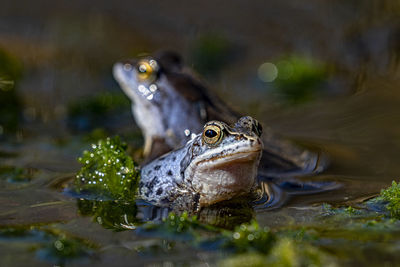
(108, 171)
(391, 196)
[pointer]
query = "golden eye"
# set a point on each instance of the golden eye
(147, 70)
(212, 134)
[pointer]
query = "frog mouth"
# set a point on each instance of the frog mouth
(242, 156)
(217, 161)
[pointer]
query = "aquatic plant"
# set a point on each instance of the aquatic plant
(107, 170)
(391, 195)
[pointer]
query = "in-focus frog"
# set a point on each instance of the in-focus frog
(216, 165)
(170, 104)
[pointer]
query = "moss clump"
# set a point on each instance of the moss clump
(391, 195)
(250, 237)
(108, 171)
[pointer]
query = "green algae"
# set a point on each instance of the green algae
(108, 171)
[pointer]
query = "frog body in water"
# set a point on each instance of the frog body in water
(216, 165)
(170, 104)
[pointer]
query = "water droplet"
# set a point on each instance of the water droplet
(153, 88)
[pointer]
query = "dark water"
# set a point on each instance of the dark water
(64, 53)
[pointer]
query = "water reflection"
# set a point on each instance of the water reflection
(123, 215)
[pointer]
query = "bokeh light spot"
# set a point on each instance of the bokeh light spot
(267, 72)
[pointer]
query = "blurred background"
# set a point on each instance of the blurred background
(325, 73)
(56, 58)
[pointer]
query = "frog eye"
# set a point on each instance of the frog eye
(147, 70)
(212, 134)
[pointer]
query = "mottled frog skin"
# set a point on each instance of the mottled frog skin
(170, 104)
(216, 165)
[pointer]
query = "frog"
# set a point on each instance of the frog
(170, 103)
(216, 165)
